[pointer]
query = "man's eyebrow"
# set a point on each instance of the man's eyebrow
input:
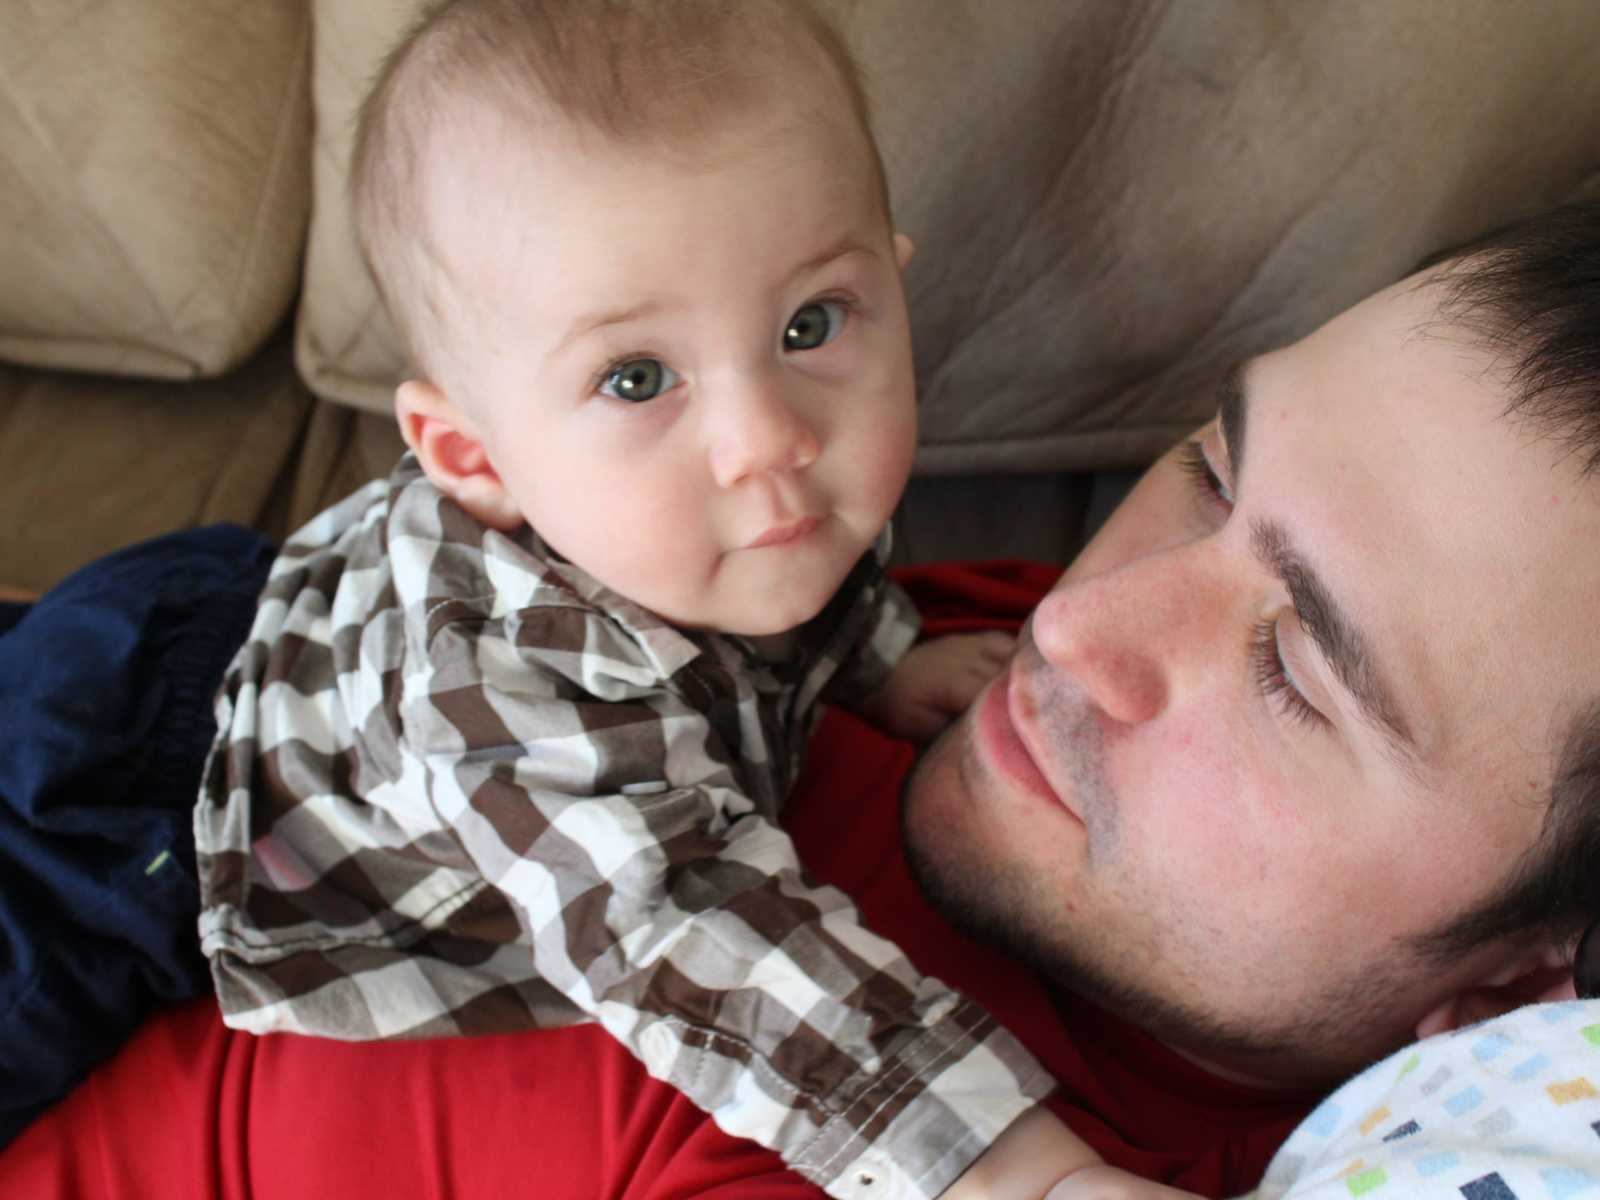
(1343, 645)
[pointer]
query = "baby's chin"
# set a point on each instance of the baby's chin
(760, 624)
(777, 625)
(767, 603)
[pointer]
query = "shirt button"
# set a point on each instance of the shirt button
(644, 789)
(873, 1178)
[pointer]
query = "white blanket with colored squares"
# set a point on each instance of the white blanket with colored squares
(1505, 1110)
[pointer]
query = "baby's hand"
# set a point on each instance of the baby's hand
(935, 682)
(1108, 1183)
(1039, 1157)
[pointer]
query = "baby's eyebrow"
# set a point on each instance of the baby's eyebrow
(847, 245)
(588, 323)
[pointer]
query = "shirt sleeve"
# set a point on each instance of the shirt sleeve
(679, 919)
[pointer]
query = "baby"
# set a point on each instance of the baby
(508, 740)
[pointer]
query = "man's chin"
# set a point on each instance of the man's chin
(969, 883)
(1010, 906)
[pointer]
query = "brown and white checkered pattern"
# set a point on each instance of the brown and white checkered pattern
(460, 787)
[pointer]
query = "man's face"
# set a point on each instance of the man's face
(691, 369)
(1295, 706)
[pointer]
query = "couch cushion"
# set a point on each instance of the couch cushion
(155, 155)
(1114, 201)
(93, 463)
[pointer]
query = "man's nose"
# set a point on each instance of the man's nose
(757, 428)
(1131, 636)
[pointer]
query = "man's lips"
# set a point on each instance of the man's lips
(789, 531)
(1000, 726)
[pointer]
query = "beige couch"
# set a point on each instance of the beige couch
(1112, 199)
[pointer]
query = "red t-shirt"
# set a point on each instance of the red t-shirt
(190, 1108)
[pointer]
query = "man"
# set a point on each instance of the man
(1299, 760)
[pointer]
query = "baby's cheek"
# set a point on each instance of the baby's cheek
(897, 446)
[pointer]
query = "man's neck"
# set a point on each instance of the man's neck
(1259, 1071)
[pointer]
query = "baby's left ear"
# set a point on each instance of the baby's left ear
(903, 250)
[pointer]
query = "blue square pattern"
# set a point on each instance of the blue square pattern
(1325, 1119)
(1488, 1187)
(1491, 1047)
(1527, 1070)
(1568, 1181)
(1464, 1101)
(1431, 1164)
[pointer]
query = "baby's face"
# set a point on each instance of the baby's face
(693, 376)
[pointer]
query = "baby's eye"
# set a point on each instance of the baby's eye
(638, 380)
(816, 324)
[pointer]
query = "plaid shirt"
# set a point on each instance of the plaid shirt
(461, 787)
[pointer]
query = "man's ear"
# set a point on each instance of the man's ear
(903, 250)
(451, 452)
(1532, 977)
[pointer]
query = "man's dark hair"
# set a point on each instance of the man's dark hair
(1531, 294)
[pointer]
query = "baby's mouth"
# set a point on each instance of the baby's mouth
(785, 532)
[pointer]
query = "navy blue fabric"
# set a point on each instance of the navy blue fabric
(11, 612)
(106, 689)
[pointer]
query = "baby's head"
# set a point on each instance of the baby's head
(641, 257)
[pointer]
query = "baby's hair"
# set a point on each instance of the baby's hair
(659, 73)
